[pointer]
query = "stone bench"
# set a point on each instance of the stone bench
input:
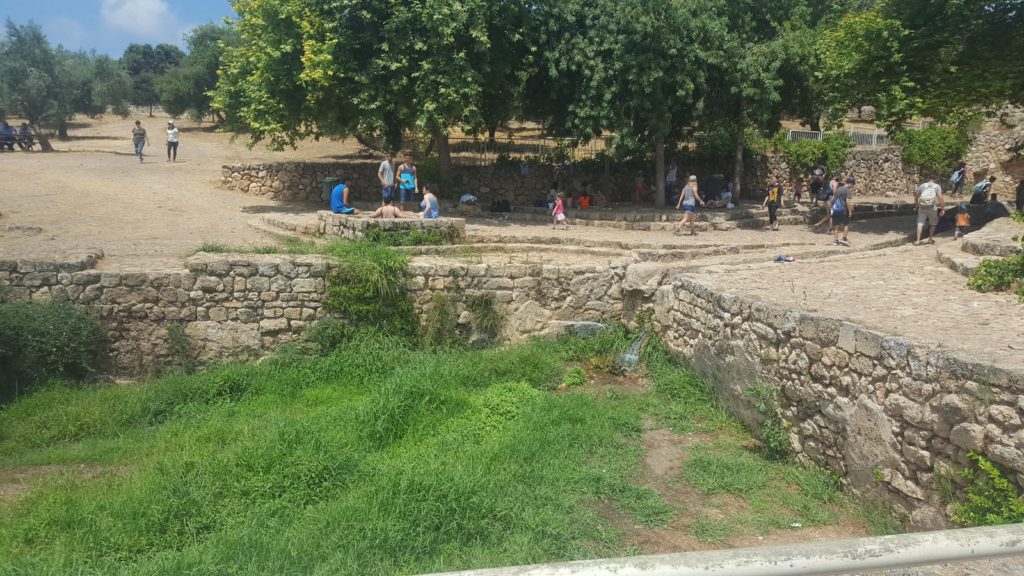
(354, 227)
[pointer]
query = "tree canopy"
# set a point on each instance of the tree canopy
(145, 63)
(185, 87)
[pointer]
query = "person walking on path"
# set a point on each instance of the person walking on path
(172, 142)
(841, 209)
(773, 200)
(930, 204)
(386, 176)
(958, 177)
(1019, 200)
(688, 201)
(139, 139)
(558, 212)
(408, 184)
(963, 221)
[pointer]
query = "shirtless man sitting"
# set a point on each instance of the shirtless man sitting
(387, 210)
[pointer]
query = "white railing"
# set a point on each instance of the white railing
(860, 138)
(815, 558)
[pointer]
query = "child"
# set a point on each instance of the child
(798, 189)
(559, 212)
(963, 220)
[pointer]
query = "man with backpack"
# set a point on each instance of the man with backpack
(930, 205)
(773, 200)
(981, 189)
(841, 210)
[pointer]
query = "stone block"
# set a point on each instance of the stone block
(968, 436)
(209, 284)
(308, 285)
(273, 325)
(85, 278)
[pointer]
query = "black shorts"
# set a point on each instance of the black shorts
(841, 219)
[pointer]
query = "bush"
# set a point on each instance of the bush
(39, 342)
(412, 237)
(440, 328)
(991, 499)
(934, 149)
(773, 426)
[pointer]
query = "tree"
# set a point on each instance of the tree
(145, 63)
(187, 87)
(632, 67)
(28, 70)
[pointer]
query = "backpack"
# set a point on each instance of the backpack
(838, 206)
(957, 176)
(774, 192)
(928, 196)
(982, 187)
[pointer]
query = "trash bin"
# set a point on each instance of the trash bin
(329, 183)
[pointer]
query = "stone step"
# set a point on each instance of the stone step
(952, 255)
(308, 227)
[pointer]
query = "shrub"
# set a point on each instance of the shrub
(39, 342)
(367, 288)
(934, 149)
(327, 334)
(412, 237)
(773, 427)
(991, 498)
(803, 155)
(440, 329)
(576, 376)
(488, 317)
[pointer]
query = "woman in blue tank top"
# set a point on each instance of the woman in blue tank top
(431, 207)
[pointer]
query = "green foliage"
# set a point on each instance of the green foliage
(186, 86)
(997, 274)
(440, 328)
(327, 334)
(367, 288)
(773, 428)
(488, 318)
(803, 155)
(933, 149)
(144, 64)
(575, 376)
(709, 530)
(411, 236)
(39, 342)
(991, 498)
(183, 353)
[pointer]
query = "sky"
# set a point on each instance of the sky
(109, 26)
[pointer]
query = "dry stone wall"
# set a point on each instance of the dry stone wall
(991, 155)
(893, 417)
(879, 171)
(354, 227)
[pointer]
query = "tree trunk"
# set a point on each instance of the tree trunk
(659, 172)
(490, 134)
(62, 130)
(608, 192)
(150, 110)
(737, 178)
(444, 157)
(44, 142)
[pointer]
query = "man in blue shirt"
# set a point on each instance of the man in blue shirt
(339, 199)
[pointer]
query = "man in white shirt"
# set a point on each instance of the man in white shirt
(172, 142)
(386, 176)
(930, 204)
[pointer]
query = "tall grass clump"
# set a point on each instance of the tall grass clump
(39, 342)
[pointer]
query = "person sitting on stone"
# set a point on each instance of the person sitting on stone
(7, 136)
(339, 199)
(25, 137)
(430, 204)
(387, 209)
(598, 200)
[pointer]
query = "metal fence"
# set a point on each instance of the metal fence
(874, 138)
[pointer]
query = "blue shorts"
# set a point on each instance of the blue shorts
(387, 192)
(689, 208)
(407, 195)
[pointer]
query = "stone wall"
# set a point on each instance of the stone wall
(230, 306)
(879, 171)
(353, 227)
(990, 154)
(894, 417)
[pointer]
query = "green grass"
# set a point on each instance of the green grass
(375, 459)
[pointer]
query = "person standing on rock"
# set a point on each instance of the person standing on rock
(841, 209)
(386, 176)
(407, 183)
(172, 142)
(688, 201)
(930, 205)
(139, 139)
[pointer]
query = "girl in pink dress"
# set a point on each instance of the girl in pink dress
(559, 212)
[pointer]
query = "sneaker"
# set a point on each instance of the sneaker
(844, 242)
(835, 243)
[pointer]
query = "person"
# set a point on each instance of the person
(841, 209)
(172, 142)
(798, 189)
(7, 137)
(639, 188)
(958, 177)
(670, 182)
(963, 221)
(139, 139)
(584, 199)
(981, 189)
(598, 200)
(430, 205)
(339, 199)
(552, 194)
(407, 182)
(688, 201)
(558, 212)
(930, 205)
(773, 200)
(386, 176)
(387, 210)
(1019, 200)
(25, 140)
(817, 187)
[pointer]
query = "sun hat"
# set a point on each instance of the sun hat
(693, 178)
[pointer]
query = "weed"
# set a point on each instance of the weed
(707, 530)
(440, 327)
(879, 517)
(182, 352)
(773, 426)
(367, 288)
(411, 236)
(488, 317)
(991, 497)
(575, 376)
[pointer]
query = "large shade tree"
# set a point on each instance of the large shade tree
(145, 63)
(186, 88)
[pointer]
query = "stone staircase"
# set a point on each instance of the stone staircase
(995, 240)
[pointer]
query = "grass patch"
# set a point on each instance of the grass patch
(707, 530)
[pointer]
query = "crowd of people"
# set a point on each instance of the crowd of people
(397, 182)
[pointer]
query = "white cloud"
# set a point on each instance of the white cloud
(148, 19)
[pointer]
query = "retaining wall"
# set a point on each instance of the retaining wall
(892, 416)
(353, 227)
